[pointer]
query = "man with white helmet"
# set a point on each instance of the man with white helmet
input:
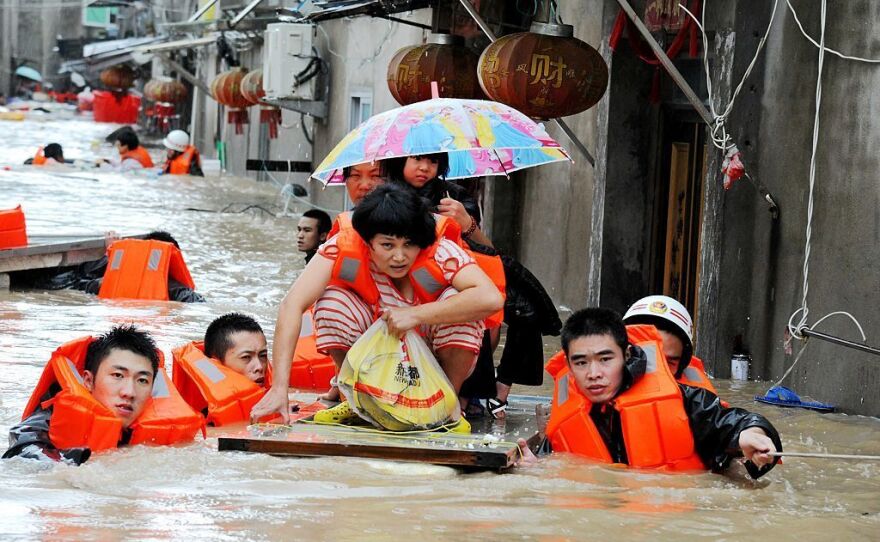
(675, 326)
(182, 158)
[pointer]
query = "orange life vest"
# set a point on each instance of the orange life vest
(139, 269)
(446, 228)
(310, 370)
(181, 164)
(39, 158)
(13, 232)
(205, 383)
(78, 419)
(140, 154)
(693, 375)
(655, 426)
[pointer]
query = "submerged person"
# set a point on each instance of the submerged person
(94, 394)
(608, 385)
(676, 328)
(51, 154)
(89, 276)
(235, 376)
(392, 241)
(131, 155)
(311, 232)
(181, 157)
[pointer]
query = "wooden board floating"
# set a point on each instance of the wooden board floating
(497, 450)
(45, 251)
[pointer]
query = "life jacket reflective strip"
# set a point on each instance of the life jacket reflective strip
(446, 228)
(13, 231)
(140, 154)
(181, 164)
(139, 269)
(204, 382)
(78, 419)
(39, 158)
(656, 431)
(310, 370)
(693, 375)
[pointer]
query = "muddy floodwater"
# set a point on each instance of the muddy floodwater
(246, 261)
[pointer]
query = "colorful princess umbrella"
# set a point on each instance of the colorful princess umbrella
(482, 138)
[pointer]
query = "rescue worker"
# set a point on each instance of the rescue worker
(674, 323)
(609, 386)
(224, 376)
(104, 401)
(51, 154)
(131, 155)
(311, 232)
(181, 158)
(389, 260)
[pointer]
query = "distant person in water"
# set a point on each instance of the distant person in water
(131, 155)
(51, 154)
(311, 231)
(181, 158)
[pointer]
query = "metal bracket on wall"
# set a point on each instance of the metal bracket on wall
(314, 108)
(492, 37)
(690, 94)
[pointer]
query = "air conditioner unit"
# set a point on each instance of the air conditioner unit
(287, 56)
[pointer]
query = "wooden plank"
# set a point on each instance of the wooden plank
(45, 251)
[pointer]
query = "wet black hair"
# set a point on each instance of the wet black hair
(324, 222)
(392, 168)
(396, 211)
(124, 337)
(54, 151)
(217, 341)
(129, 139)
(594, 321)
(160, 235)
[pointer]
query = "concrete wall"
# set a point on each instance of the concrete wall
(846, 224)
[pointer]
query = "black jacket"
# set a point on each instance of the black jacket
(715, 428)
(30, 439)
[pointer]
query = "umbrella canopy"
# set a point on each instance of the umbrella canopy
(481, 137)
(28, 73)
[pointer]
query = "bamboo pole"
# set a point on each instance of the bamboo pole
(826, 456)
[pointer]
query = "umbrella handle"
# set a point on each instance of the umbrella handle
(435, 90)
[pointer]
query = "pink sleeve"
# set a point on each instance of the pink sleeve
(451, 258)
(329, 249)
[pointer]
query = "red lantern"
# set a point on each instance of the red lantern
(165, 90)
(252, 90)
(118, 77)
(443, 59)
(226, 89)
(546, 73)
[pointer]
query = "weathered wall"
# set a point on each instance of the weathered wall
(764, 260)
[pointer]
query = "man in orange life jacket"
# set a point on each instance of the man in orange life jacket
(238, 341)
(119, 371)
(182, 158)
(604, 416)
(51, 154)
(131, 154)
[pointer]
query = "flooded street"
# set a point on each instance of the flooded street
(246, 261)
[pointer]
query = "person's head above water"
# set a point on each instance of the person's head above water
(119, 371)
(595, 343)
(238, 341)
(416, 171)
(312, 230)
(674, 323)
(361, 179)
(160, 235)
(54, 151)
(396, 224)
(127, 141)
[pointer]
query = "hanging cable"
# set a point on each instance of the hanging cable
(832, 51)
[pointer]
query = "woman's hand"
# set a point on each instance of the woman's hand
(401, 319)
(456, 211)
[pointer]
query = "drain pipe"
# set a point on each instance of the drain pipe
(837, 340)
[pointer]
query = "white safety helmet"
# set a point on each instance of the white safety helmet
(176, 140)
(659, 309)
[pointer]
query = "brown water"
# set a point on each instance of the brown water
(246, 262)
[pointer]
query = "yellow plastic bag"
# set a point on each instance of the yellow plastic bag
(397, 384)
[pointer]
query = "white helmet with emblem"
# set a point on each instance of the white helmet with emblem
(176, 140)
(667, 313)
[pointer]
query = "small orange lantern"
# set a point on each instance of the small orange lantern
(443, 59)
(118, 77)
(226, 89)
(165, 90)
(252, 90)
(545, 73)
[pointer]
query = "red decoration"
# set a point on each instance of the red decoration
(732, 167)
(118, 77)
(165, 92)
(445, 60)
(252, 90)
(688, 32)
(544, 75)
(226, 89)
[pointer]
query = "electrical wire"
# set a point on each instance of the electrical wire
(832, 51)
